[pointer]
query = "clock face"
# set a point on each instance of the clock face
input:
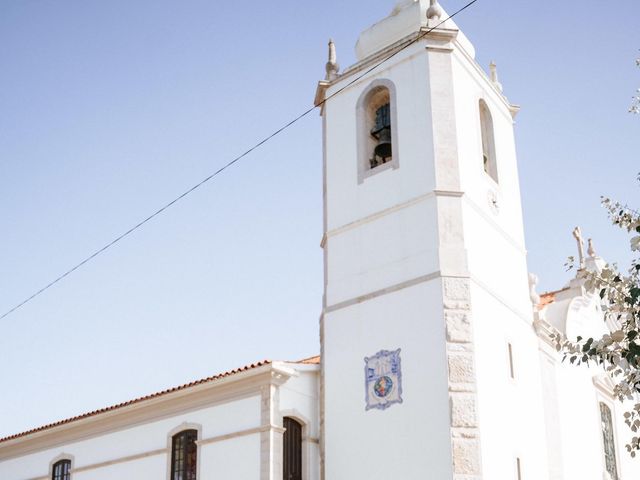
(492, 198)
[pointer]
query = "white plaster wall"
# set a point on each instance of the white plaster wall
(299, 398)
(495, 262)
(573, 398)
(394, 241)
(512, 422)
(409, 440)
(581, 434)
(216, 420)
(149, 468)
(551, 412)
(386, 251)
(494, 238)
(471, 85)
(580, 424)
(234, 458)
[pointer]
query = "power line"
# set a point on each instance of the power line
(229, 164)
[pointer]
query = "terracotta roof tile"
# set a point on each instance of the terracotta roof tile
(548, 298)
(137, 400)
(310, 361)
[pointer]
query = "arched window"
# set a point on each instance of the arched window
(488, 142)
(184, 455)
(608, 441)
(292, 450)
(376, 123)
(61, 470)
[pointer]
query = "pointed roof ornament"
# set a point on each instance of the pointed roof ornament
(434, 13)
(332, 66)
(577, 234)
(493, 69)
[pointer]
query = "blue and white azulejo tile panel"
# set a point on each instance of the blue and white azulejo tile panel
(383, 379)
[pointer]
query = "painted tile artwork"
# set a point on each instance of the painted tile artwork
(383, 379)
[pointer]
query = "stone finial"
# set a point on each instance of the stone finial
(533, 284)
(577, 234)
(591, 251)
(434, 13)
(332, 66)
(493, 69)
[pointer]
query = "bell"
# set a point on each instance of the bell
(383, 148)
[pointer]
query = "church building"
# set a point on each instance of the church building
(436, 360)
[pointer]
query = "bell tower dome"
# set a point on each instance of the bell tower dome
(429, 360)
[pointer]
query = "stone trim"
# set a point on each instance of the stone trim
(174, 431)
(394, 288)
(602, 397)
(362, 130)
(241, 433)
(306, 439)
(270, 438)
(167, 451)
(129, 458)
(56, 459)
(463, 402)
(378, 215)
(496, 226)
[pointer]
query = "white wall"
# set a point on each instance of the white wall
(574, 393)
(112, 447)
(407, 440)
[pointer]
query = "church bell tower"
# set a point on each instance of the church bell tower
(429, 362)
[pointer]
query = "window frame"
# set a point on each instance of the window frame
(611, 410)
(58, 461)
(182, 428)
(363, 129)
(488, 141)
(308, 442)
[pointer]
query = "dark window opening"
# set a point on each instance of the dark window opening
(62, 470)
(488, 142)
(381, 132)
(292, 450)
(184, 455)
(608, 441)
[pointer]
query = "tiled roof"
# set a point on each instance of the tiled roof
(141, 399)
(548, 298)
(310, 361)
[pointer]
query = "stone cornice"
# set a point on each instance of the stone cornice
(605, 385)
(440, 38)
(544, 330)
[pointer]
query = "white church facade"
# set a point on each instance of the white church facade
(435, 357)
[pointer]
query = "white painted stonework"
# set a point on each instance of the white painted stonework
(424, 256)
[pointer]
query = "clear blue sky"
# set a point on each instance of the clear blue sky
(110, 109)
